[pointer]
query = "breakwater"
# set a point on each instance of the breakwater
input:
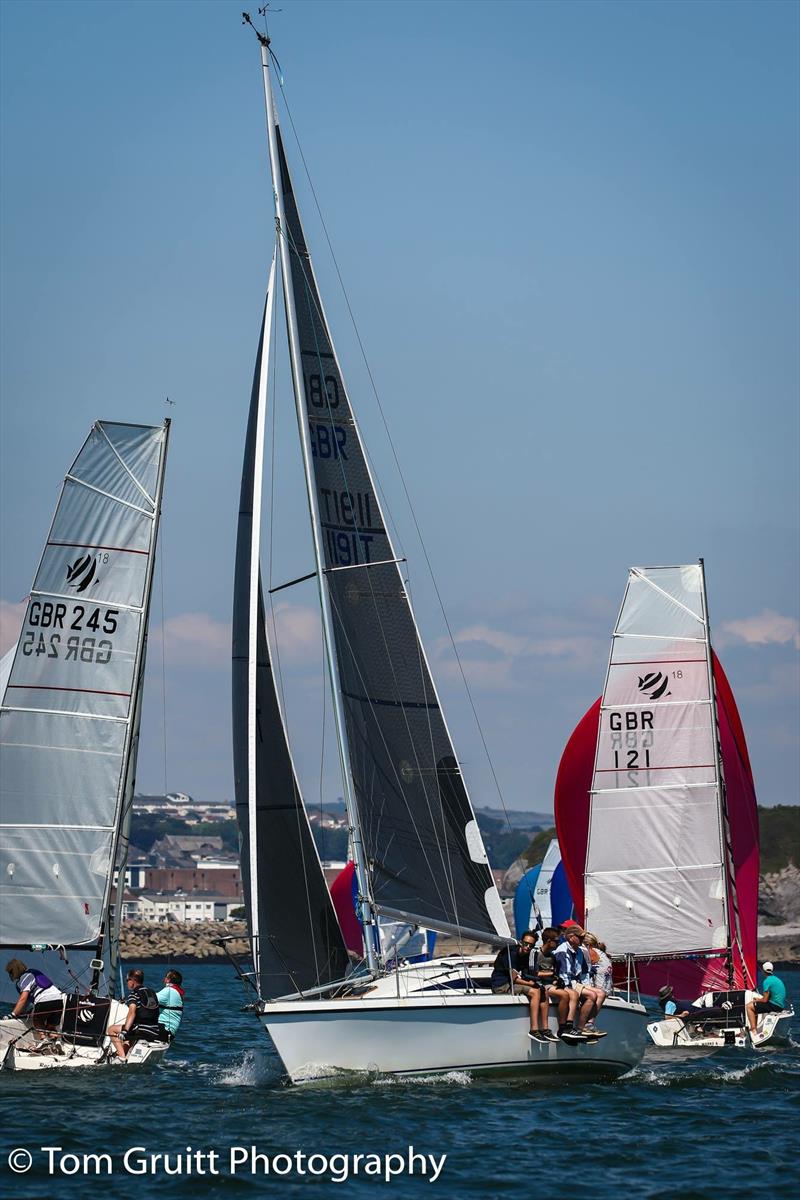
(176, 942)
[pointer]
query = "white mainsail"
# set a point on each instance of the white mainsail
(655, 880)
(70, 710)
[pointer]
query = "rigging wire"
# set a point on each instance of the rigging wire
(161, 562)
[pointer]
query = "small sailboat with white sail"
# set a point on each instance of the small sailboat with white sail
(418, 854)
(69, 734)
(657, 817)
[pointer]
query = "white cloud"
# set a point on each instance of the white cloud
(298, 631)
(11, 616)
(194, 639)
(499, 660)
(199, 640)
(767, 627)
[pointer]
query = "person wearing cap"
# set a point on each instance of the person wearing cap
(771, 999)
(574, 970)
(669, 1005)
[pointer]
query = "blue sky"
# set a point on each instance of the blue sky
(569, 235)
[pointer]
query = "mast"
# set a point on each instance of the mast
(366, 904)
(130, 752)
(725, 832)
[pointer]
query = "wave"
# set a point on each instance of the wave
(756, 1075)
(447, 1078)
(254, 1069)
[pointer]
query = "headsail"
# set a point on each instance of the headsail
(69, 713)
(425, 853)
(297, 943)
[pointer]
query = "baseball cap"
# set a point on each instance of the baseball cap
(767, 966)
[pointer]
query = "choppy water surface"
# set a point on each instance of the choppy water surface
(692, 1128)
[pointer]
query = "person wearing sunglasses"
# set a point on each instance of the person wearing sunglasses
(514, 971)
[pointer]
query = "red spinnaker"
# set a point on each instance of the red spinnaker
(689, 977)
(343, 895)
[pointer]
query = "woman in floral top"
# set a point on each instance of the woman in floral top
(600, 969)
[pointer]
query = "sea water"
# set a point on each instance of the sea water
(218, 1119)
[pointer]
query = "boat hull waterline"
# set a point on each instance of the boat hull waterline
(317, 1040)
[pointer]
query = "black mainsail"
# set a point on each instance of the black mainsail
(297, 943)
(425, 854)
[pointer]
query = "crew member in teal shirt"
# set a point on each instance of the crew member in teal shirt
(170, 1004)
(773, 998)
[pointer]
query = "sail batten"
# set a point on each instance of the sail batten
(81, 651)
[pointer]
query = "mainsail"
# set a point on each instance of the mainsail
(424, 851)
(297, 943)
(69, 715)
(640, 808)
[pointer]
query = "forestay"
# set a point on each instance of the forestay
(297, 943)
(655, 878)
(425, 853)
(70, 701)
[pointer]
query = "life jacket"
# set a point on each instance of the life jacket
(146, 1008)
(41, 983)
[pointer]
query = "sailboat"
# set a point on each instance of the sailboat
(417, 850)
(657, 818)
(69, 735)
(542, 895)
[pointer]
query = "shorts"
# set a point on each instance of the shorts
(48, 1013)
(579, 987)
(142, 1033)
(520, 989)
(763, 1006)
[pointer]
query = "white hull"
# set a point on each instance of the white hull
(142, 1054)
(21, 1051)
(673, 1034)
(418, 1034)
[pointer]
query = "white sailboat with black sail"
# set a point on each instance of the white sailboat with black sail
(69, 733)
(418, 853)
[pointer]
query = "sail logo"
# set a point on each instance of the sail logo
(654, 685)
(82, 572)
